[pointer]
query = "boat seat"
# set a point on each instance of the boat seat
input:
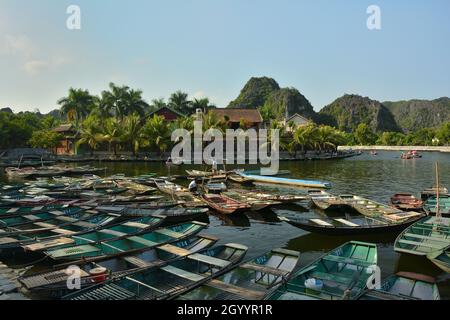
(175, 250)
(48, 244)
(265, 269)
(63, 232)
(321, 222)
(331, 277)
(45, 225)
(345, 260)
(7, 240)
(137, 262)
(32, 217)
(423, 244)
(13, 210)
(346, 222)
(113, 233)
(143, 241)
(48, 278)
(74, 250)
(183, 273)
(418, 236)
(85, 224)
(66, 219)
(57, 212)
(136, 225)
(209, 260)
(170, 233)
(242, 292)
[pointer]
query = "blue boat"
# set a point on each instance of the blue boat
(287, 181)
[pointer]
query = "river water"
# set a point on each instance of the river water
(375, 177)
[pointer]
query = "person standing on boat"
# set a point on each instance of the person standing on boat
(214, 166)
(193, 186)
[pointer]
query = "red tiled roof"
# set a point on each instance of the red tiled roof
(236, 115)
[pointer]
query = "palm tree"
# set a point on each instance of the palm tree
(305, 136)
(113, 134)
(77, 105)
(179, 101)
(211, 121)
(90, 133)
(158, 104)
(122, 101)
(133, 133)
(157, 133)
(202, 104)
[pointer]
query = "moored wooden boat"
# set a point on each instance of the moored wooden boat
(127, 245)
(347, 225)
(254, 203)
(341, 274)
(136, 187)
(168, 281)
(326, 201)
(283, 198)
(113, 232)
(430, 205)
(287, 182)
(252, 280)
(406, 202)
(224, 204)
(431, 192)
(405, 286)
(53, 283)
(425, 236)
(441, 258)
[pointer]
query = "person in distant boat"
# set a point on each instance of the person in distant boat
(214, 166)
(193, 186)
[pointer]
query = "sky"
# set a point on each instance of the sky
(212, 47)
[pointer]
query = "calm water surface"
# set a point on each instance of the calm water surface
(375, 177)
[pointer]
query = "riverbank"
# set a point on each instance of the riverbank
(396, 148)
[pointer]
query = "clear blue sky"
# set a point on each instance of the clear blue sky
(212, 47)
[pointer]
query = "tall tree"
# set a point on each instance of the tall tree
(77, 105)
(90, 133)
(202, 104)
(180, 102)
(133, 133)
(121, 101)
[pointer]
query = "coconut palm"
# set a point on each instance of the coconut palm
(180, 102)
(158, 104)
(121, 101)
(202, 104)
(157, 133)
(90, 133)
(133, 133)
(113, 134)
(77, 105)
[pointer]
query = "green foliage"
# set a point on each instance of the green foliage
(46, 139)
(77, 105)
(364, 135)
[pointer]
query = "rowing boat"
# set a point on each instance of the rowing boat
(406, 202)
(8, 212)
(205, 174)
(171, 215)
(287, 182)
(127, 245)
(169, 187)
(53, 283)
(375, 209)
(23, 220)
(441, 258)
(254, 203)
(347, 225)
(432, 192)
(137, 188)
(168, 281)
(283, 198)
(405, 286)
(113, 232)
(224, 204)
(428, 235)
(325, 201)
(14, 238)
(444, 205)
(341, 274)
(239, 179)
(258, 172)
(252, 280)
